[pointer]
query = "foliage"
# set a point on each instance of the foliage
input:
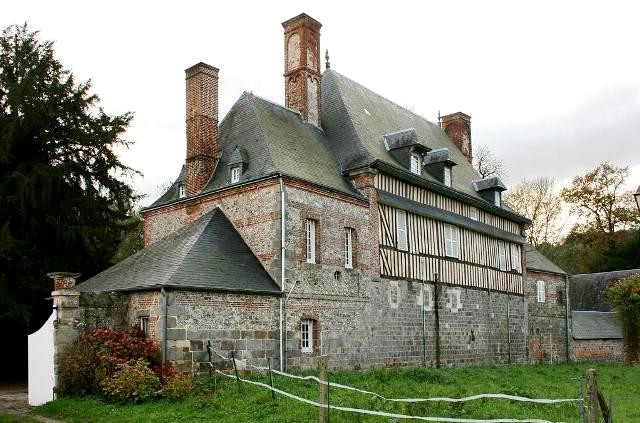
(246, 403)
(132, 381)
(487, 164)
(624, 296)
(537, 199)
(598, 197)
(63, 203)
(96, 356)
(178, 387)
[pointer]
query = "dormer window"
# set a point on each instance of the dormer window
(447, 176)
(415, 164)
(181, 191)
(235, 174)
(497, 198)
(490, 189)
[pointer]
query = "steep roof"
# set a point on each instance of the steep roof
(595, 325)
(357, 119)
(207, 254)
(274, 140)
(539, 262)
(588, 290)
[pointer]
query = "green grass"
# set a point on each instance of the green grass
(244, 403)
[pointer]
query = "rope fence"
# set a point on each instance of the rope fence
(243, 364)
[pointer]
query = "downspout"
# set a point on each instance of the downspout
(165, 309)
(282, 273)
(566, 313)
(436, 306)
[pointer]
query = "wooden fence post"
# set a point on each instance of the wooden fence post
(323, 414)
(592, 394)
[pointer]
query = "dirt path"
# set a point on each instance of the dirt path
(13, 400)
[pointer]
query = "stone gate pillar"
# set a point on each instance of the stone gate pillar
(66, 304)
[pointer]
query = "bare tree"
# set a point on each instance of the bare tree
(599, 198)
(538, 200)
(487, 164)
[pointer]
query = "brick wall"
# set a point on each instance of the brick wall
(547, 320)
(598, 350)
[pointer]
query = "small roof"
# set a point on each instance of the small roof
(537, 261)
(595, 325)
(207, 254)
(588, 291)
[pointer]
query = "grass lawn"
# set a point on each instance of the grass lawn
(248, 403)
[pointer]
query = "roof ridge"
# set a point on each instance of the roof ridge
(383, 97)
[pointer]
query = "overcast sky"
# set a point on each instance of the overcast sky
(553, 88)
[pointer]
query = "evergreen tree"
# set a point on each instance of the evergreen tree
(63, 204)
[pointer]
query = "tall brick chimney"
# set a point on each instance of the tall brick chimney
(202, 125)
(458, 127)
(302, 66)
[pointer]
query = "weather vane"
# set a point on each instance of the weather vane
(326, 56)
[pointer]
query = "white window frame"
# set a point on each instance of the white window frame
(473, 213)
(446, 177)
(451, 241)
(502, 256)
(402, 242)
(181, 191)
(310, 236)
(414, 164)
(306, 335)
(540, 292)
(515, 258)
(348, 248)
(144, 326)
(497, 198)
(235, 174)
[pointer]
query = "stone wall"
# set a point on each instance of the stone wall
(547, 320)
(598, 350)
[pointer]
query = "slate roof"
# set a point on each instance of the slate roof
(207, 254)
(595, 325)
(355, 120)
(588, 290)
(539, 262)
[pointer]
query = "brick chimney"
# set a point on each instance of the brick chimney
(302, 66)
(458, 127)
(202, 125)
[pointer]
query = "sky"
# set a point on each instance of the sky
(552, 87)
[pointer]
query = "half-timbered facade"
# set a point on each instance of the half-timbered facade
(385, 245)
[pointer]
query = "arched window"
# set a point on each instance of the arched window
(540, 291)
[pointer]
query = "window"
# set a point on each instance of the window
(515, 258)
(415, 164)
(540, 291)
(144, 326)
(181, 191)
(451, 241)
(502, 256)
(306, 335)
(401, 230)
(348, 248)
(560, 297)
(447, 176)
(235, 174)
(497, 200)
(310, 230)
(473, 213)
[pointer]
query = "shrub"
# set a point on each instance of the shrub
(133, 381)
(624, 296)
(178, 387)
(96, 355)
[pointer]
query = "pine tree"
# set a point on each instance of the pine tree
(63, 202)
